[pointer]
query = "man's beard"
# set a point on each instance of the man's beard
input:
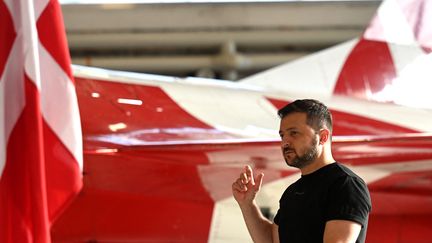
(307, 158)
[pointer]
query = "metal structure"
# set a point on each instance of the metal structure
(214, 40)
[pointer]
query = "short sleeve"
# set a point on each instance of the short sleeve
(277, 218)
(348, 199)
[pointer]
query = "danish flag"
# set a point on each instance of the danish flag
(40, 132)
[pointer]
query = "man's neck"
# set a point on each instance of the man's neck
(314, 166)
(318, 163)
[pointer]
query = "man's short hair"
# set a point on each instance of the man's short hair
(318, 116)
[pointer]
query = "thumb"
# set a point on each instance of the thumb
(258, 181)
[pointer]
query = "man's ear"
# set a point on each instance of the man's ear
(324, 135)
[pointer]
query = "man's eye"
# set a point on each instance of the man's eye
(293, 133)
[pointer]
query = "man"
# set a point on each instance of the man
(329, 203)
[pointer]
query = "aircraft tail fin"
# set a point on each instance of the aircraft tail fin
(390, 62)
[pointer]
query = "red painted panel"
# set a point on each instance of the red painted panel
(100, 216)
(158, 118)
(415, 183)
(367, 70)
(391, 149)
(167, 174)
(158, 110)
(399, 203)
(138, 197)
(400, 229)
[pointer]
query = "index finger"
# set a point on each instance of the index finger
(249, 174)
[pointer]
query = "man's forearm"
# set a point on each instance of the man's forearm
(258, 226)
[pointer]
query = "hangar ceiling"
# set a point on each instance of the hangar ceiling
(215, 40)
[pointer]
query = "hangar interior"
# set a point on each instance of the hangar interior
(221, 40)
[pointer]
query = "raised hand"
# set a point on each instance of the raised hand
(246, 186)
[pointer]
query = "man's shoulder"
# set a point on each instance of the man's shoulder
(349, 181)
(341, 170)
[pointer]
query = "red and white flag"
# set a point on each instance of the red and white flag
(40, 132)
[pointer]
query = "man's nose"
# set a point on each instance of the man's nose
(285, 143)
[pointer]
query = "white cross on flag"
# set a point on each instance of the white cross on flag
(40, 132)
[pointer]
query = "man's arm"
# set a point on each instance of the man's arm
(260, 228)
(341, 231)
(244, 190)
(275, 233)
(348, 210)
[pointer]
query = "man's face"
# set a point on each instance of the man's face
(299, 141)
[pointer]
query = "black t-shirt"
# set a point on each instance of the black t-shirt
(330, 193)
